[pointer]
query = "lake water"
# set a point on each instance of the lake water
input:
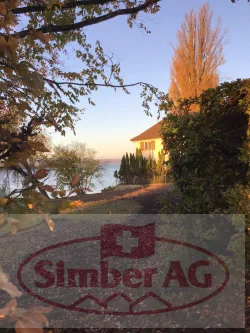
(107, 180)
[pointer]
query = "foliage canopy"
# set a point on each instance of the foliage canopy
(37, 90)
(198, 55)
(75, 166)
(209, 150)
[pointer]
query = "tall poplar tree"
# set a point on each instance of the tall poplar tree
(198, 55)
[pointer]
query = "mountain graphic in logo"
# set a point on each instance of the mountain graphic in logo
(120, 303)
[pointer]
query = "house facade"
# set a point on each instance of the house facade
(150, 141)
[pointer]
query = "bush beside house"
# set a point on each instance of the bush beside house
(136, 169)
(209, 150)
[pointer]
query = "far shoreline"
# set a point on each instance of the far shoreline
(110, 161)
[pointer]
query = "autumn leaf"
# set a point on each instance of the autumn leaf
(54, 194)
(7, 286)
(3, 202)
(75, 180)
(30, 206)
(38, 146)
(5, 51)
(10, 19)
(47, 188)
(3, 41)
(43, 38)
(36, 122)
(4, 313)
(13, 43)
(18, 156)
(76, 203)
(54, 123)
(41, 173)
(62, 193)
(36, 318)
(49, 222)
(3, 10)
(11, 305)
(9, 309)
(12, 4)
(10, 289)
(32, 320)
(24, 326)
(82, 189)
(33, 80)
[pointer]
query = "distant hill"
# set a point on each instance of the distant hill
(109, 161)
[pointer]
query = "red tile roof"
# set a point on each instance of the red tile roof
(153, 132)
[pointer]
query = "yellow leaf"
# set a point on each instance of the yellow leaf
(3, 10)
(54, 194)
(34, 81)
(4, 313)
(43, 38)
(76, 203)
(10, 19)
(49, 222)
(13, 43)
(2, 39)
(6, 51)
(13, 4)
(62, 193)
(30, 206)
(38, 146)
(3, 202)
(51, 225)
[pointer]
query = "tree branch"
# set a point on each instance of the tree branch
(95, 20)
(69, 5)
(140, 83)
(98, 84)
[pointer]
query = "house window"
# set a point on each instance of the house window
(149, 145)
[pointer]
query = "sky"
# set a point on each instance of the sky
(117, 117)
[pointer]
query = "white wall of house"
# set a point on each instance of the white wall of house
(146, 152)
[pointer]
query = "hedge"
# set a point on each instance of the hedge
(209, 149)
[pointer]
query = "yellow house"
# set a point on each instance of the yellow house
(150, 141)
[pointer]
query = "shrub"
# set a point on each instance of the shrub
(75, 166)
(209, 150)
(136, 169)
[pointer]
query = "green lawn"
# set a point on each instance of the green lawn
(28, 220)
